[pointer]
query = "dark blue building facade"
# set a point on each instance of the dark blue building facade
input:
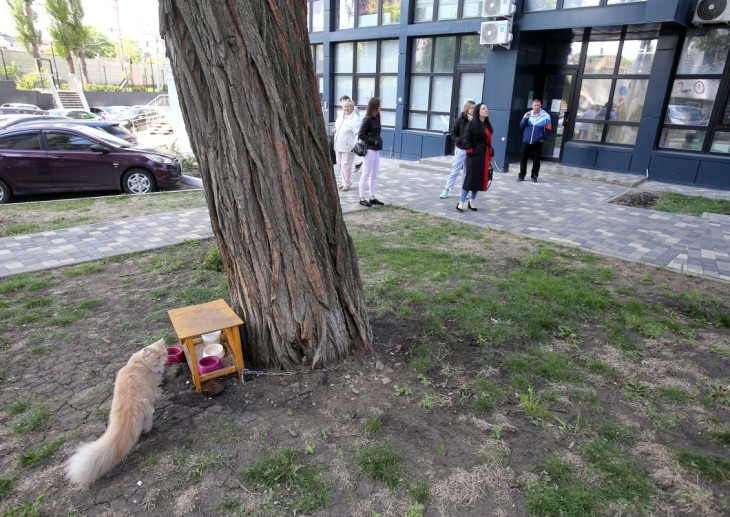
(632, 86)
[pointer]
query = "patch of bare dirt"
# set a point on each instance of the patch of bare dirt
(637, 199)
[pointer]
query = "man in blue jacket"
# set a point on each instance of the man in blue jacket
(536, 126)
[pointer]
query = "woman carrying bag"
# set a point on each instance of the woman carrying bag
(346, 128)
(370, 134)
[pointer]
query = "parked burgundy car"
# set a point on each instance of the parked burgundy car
(66, 158)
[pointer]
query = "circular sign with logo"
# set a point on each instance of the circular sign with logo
(699, 87)
(623, 90)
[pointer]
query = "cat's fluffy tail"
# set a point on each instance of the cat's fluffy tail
(93, 460)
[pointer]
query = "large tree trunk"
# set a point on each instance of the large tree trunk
(84, 71)
(246, 85)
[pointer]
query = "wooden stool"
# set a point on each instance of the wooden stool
(191, 322)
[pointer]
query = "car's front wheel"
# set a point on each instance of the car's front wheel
(4, 192)
(138, 181)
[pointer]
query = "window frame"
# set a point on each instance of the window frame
(356, 15)
(560, 5)
(435, 10)
(615, 77)
(376, 76)
(457, 70)
(310, 15)
(721, 104)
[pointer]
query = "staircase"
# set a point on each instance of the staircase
(73, 98)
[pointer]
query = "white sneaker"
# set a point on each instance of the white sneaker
(444, 194)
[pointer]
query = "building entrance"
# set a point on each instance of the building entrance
(557, 96)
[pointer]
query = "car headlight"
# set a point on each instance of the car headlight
(157, 158)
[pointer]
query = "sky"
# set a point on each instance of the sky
(136, 17)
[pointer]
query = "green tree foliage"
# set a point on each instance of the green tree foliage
(132, 50)
(78, 33)
(98, 45)
(60, 13)
(25, 19)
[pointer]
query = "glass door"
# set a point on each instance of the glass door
(556, 101)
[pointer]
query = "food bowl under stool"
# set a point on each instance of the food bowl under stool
(209, 364)
(215, 349)
(174, 355)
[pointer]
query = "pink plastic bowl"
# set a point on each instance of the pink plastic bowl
(174, 355)
(209, 364)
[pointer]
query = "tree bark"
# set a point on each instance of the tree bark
(244, 74)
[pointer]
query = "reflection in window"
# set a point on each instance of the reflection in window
(345, 14)
(472, 9)
(540, 5)
(721, 143)
(423, 11)
(368, 69)
(434, 87)
(448, 9)
(682, 139)
(614, 2)
(367, 13)
(27, 142)
(594, 95)
(705, 51)
(637, 56)
(588, 131)
(67, 142)
(629, 98)
(316, 8)
(622, 135)
(691, 102)
(318, 60)
(391, 12)
(570, 4)
(601, 57)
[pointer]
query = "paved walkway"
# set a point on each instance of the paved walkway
(559, 208)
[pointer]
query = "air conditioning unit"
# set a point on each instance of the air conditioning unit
(495, 33)
(492, 8)
(711, 11)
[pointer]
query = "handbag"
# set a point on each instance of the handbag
(360, 148)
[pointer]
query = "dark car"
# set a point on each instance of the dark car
(10, 120)
(115, 113)
(73, 158)
(110, 126)
(11, 110)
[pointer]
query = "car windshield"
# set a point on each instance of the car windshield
(103, 135)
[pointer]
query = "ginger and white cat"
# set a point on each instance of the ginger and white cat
(130, 416)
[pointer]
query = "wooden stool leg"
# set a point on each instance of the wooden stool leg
(233, 337)
(193, 363)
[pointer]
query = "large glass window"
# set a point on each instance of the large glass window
(613, 88)
(315, 15)
(698, 91)
(434, 10)
(366, 13)
(368, 69)
(445, 72)
(549, 5)
(318, 60)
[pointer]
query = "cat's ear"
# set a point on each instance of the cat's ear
(161, 342)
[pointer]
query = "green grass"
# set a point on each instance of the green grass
(373, 426)
(36, 455)
(7, 483)
(382, 462)
(613, 432)
(560, 491)
(25, 509)
(84, 269)
(293, 484)
(32, 420)
(191, 465)
(488, 395)
(714, 468)
(719, 436)
(690, 205)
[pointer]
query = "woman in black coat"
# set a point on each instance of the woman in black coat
(478, 142)
(370, 134)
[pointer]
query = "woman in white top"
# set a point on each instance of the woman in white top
(346, 128)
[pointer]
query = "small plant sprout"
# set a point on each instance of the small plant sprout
(308, 448)
(496, 431)
(426, 401)
(424, 380)
(325, 433)
(403, 391)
